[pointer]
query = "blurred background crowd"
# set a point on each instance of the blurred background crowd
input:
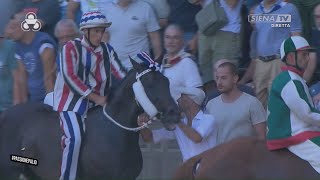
(28, 58)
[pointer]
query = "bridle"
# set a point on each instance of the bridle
(143, 101)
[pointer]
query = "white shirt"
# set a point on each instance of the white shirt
(183, 74)
(89, 5)
(203, 123)
(129, 32)
(161, 8)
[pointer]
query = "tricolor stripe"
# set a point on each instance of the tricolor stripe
(89, 72)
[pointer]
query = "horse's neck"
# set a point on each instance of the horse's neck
(123, 107)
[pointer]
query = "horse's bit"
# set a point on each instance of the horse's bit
(143, 101)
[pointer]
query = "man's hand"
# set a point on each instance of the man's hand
(143, 119)
(100, 100)
(316, 99)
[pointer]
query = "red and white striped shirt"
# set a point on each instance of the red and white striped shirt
(77, 78)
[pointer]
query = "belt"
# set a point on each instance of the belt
(269, 58)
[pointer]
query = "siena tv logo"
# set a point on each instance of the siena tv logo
(276, 20)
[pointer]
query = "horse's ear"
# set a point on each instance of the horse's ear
(136, 66)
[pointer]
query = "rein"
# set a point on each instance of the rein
(145, 125)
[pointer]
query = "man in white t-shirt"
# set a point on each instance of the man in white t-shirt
(85, 6)
(134, 28)
(237, 113)
(162, 9)
(178, 66)
(195, 133)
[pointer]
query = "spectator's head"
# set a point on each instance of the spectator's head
(14, 30)
(217, 64)
(173, 39)
(226, 77)
(93, 25)
(295, 52)
(316, 15)
(66, 30)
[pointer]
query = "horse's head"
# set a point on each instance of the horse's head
(152, 91)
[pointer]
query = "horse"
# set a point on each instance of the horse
(245, 158)
(108, 152)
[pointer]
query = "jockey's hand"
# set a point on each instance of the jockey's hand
(100, 100)
(143, 119)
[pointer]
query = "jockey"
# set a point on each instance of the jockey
(293, 122)
(83, 80)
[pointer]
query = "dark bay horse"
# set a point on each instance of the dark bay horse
(246, 159)
(108, 152)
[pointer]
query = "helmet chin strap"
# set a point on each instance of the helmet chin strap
(88, 39)
(296, 62)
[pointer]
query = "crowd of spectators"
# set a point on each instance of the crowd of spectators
(167, 30)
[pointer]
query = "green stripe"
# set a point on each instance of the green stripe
(278, 122)
(289, 46)
(316, 140)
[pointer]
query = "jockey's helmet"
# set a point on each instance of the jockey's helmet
(93, 19)
(293, 44)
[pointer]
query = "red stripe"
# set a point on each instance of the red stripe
(293, 140)
(115, 72)
(74, 78)
(64, 98)
(94, 12)
(293, 69)
(98, 73)
(304, 48)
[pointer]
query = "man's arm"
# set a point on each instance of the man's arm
(69, 64)
(190, 132)
(296, 24)
(156, 43)
(49, 68)
(249, 73)
(193, 44)
(16, 87)
(154, 136)
(72, 9)
(261, 130)
(295, 98)
(258, 118)
(22, 91)
(145, 133)
(163, 22)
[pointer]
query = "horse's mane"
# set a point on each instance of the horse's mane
(122, 84)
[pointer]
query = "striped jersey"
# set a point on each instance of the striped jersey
(77, 78)
(292, 117)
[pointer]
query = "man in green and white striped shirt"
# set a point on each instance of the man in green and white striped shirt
(293, 122)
